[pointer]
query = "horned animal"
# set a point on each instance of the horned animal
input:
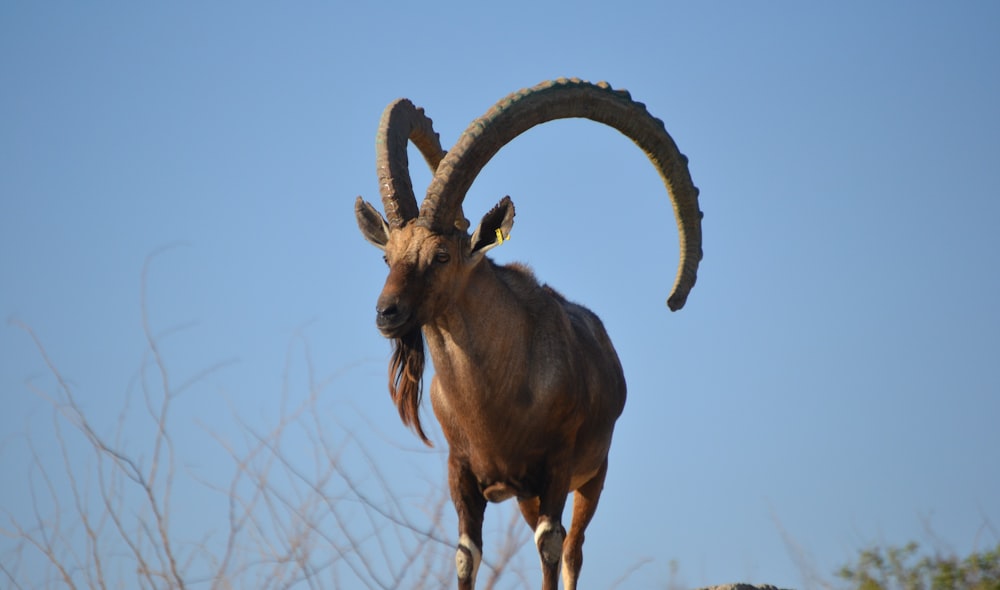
(527, 385)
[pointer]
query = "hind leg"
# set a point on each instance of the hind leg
(584, 505)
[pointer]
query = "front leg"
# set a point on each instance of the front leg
(549, 531)
(470, 505)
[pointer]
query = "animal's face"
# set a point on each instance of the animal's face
(428, 269)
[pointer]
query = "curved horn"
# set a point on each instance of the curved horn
(401, 123)
(560, 99)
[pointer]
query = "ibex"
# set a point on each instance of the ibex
(527, 386)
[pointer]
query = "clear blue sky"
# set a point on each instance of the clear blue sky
(835, 374)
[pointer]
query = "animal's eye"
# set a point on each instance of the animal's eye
(385, 259)
(442, 257)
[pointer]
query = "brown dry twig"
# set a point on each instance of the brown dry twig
(102, 510)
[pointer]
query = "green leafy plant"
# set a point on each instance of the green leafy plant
(904, 568)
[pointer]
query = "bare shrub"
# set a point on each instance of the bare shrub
(104, 511)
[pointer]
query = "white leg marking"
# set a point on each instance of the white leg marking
(467, 559)
(542, 528)
(569, 579)
(549, 540)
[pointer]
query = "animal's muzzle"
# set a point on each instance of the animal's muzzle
(391, 317)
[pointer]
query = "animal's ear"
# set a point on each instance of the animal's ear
(371, 223)
(494, 229)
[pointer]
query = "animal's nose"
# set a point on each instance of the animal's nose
(390, 314)
(387, 311)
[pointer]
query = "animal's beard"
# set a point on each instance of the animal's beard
(406, 371)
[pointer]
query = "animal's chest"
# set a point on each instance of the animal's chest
(505, 423)
(506, 439)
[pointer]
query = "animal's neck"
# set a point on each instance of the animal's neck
(473, 336)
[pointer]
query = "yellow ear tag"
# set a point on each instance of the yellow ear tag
(500, 238)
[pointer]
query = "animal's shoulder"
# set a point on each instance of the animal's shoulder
(521, 280)
(515, 272)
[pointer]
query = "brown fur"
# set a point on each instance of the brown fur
(527, 385)
(527, 391)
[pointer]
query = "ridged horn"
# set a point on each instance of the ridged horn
(401, 123)
(561, 99)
